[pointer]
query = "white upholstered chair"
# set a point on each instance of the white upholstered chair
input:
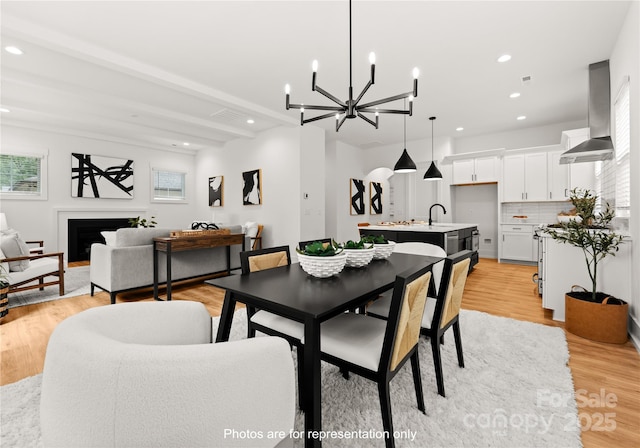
(146, 375)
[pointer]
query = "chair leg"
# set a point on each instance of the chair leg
(251, 331)
(302, 405)
(437, 362)
(456, 334)
(345, 373)
(385, 407)
(93, 287)
(417, 381)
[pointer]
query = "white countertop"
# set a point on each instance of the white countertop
(436, 227)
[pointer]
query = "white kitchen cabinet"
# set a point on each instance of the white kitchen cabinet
(517, 242)
(580, 175)
(564, 178)
(558, 177)
(525, 177)
(475, 170)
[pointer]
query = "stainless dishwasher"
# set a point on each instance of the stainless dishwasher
(451, 242)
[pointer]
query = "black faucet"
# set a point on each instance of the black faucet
(431, 208)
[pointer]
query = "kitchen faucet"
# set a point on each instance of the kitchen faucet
(430, 208)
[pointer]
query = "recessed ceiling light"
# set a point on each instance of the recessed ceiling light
(250, 121)
(186, 143)
(460, 129)
(4, 109)
(13, 50)
(504, 58)
(521, 117)
(514, 95)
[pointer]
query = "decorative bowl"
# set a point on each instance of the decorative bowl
(322, 267)
(357, 258)
(383, 250)
(567, 218)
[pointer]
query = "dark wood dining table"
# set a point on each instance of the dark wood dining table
(290, 292)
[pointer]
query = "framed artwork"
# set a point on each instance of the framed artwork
(101, 177)
(375, 198)
(216, 191)
(356, 190)
(252, 187)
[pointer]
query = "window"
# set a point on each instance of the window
(623, 157)
(168, 185)
(23, 175)
(613, 176)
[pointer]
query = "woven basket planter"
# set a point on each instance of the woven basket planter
(602, 322)
(322, 267)
(383, 250)
(358, 258)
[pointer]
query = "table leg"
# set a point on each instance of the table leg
(228, 308)
(312, 383)
(168, 271)
(228, 260)
(155, 272)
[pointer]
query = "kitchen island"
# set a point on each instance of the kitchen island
(452, 237)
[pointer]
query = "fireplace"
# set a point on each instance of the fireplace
(82, 233)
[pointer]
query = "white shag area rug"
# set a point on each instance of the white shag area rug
(515, 391)
(76, 283)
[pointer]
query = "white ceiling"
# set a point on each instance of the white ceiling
(158, 74)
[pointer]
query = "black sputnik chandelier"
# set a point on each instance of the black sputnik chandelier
(352, 108)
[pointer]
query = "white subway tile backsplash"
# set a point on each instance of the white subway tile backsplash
(536, 212)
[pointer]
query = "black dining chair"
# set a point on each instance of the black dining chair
(377, 349)
(441, 312)
(270, 323)
(445, 314)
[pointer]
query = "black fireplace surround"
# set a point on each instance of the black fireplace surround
(82, 233)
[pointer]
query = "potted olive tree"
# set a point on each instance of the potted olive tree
(590, 313)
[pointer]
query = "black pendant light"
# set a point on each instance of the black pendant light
(433, 173)
(405, 164)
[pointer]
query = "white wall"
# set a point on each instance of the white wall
(522, 138)
(625, 61)
(277, 153)
(39, 219)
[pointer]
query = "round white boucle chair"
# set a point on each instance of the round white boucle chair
(146, 375)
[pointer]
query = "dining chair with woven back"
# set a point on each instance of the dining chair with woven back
(441, 311)
(377, 349)
(264, 321)
(444, 313)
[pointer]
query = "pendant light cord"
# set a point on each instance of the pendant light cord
(432, 140)
(405, 125)
(350, 50)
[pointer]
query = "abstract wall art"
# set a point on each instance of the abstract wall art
(101, 177)
(216, 191)
(252, 187)
(356, 190)
(375, 198)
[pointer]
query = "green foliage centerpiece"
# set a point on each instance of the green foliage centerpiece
(384, 248)
(322, 260)
(359, 253)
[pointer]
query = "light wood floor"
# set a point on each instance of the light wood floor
(496, 288)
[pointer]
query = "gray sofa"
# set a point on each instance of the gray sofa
(127, 264)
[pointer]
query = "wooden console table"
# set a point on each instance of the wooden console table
(182, 243)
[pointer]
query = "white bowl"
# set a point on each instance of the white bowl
(383, 250)
(567, 218)
(357, 258)
(322, 267)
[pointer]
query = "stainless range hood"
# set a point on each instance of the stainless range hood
(599, 146)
